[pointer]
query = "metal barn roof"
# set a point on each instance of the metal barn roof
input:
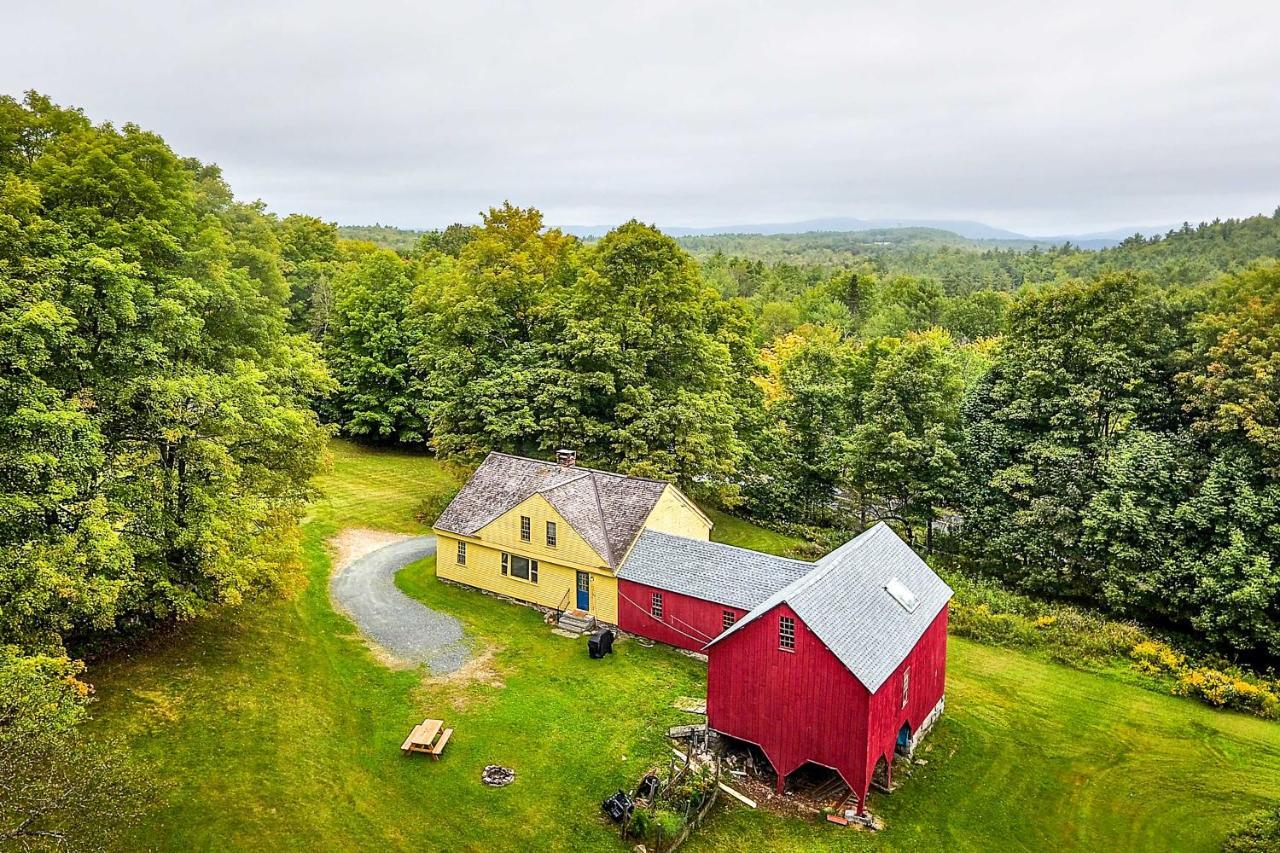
(847, 603)
(737, 577)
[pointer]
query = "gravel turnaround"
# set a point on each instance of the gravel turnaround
(366, 591)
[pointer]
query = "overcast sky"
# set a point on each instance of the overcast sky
(1039, 117)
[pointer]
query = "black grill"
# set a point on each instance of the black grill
(600, 643)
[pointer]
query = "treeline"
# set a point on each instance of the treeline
(1107, 439)
(1186, 255)
(520, 338)
(387, 236)
(158, 439)
(1117, 444)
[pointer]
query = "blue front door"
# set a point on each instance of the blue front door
(584, 591)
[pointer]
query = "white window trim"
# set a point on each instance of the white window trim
(507, 570)
(785, 621)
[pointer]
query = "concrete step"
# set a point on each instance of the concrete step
(579, 622)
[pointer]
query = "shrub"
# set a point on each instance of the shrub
(433, 504)
(1156, 658)
(1259, 834)
(1228, 690)
(669, 822)
(984, 611)
(642, 824)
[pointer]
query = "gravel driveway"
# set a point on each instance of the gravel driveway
(365, 590)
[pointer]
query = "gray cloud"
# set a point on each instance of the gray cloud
(1038, 117)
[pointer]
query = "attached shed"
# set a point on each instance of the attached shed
(685, 592)
(840, 667)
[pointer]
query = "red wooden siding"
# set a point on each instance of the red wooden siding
(928, 663)
(806, 706)
(687, 622)
(796, 706)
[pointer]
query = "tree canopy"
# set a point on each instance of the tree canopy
(159, 444)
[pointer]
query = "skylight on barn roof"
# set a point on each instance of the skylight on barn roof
(902, 595)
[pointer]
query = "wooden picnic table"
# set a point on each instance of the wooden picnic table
(423, 738)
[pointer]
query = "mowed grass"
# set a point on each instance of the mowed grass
(273, 727)
(737, 531)
(380, 488)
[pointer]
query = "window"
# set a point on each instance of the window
(520, 567)
(655, 605)
(551, 534)
(524, 528)
(462, 553)
(727, 620)
(786, 633)
(906, 685)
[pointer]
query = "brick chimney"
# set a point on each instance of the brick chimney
(567, 458)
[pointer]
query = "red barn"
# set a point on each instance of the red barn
(839, 667)
(686, 592)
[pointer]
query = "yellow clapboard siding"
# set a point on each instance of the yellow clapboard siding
(570, 548)
(484, 570)
(558, 565)
(674, 514)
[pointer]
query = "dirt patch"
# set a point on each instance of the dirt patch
(479, 669)
(356, 542)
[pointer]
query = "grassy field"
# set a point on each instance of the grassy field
(744, 534)
(275, 728)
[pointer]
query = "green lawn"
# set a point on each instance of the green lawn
(379, 488)
(744, 534)
(275, 728)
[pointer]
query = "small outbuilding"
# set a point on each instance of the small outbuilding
(840, 667)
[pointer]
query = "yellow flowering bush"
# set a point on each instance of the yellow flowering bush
(983, 611)
(1155, 657)
(1226, 690)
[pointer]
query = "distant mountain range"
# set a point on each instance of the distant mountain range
(965, 228)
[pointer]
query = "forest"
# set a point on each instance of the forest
(1098, 427)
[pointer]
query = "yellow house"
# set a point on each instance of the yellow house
(554, 534)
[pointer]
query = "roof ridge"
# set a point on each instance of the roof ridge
(561, 484)
(825, 566)
(821, 569)
(553, 464)
(726, 545)
(604, 523)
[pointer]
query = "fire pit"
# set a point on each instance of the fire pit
(496, 776)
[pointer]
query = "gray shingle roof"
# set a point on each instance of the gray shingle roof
(844, 602)
(607, 510)
(736, 577)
